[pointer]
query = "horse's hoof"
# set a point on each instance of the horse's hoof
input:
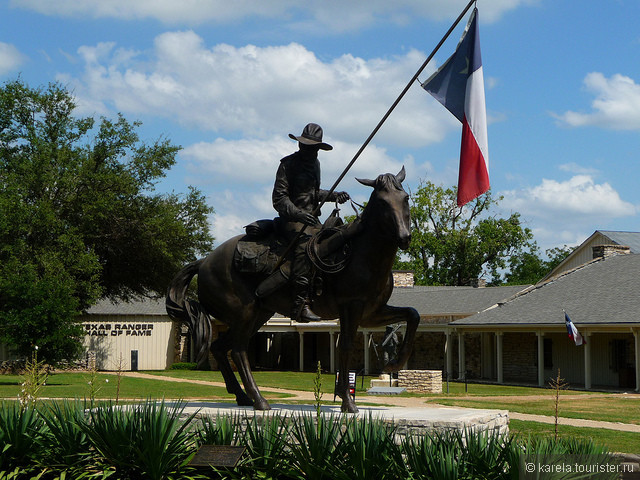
(262, 404)
(349, 408)
(244, 401)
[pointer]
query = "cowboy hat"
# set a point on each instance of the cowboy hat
(312, 135)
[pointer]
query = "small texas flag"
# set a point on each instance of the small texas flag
(573, 331)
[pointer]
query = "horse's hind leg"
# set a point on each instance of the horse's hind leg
(219, 348)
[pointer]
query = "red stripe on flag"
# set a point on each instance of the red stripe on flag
(473, 177)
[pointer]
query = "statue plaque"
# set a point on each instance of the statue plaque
(217, 456)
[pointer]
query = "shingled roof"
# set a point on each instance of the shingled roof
(451, 300)
(629, 239)
(601, 292)
(429, 301)
(143, 306)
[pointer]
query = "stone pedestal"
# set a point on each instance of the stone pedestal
(421, 381)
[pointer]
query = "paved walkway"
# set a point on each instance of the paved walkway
(409, 402)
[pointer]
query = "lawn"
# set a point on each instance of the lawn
(626, 442)
(601, 407)
(76, 385)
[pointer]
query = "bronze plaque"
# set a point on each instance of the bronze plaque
(217, 456)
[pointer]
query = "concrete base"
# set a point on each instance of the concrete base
(408, 420)
(386, 390)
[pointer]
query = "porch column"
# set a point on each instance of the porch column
(587, 360)
(367, 335)
(540, 336)
(448, 354)
(332, 352)
(461, 359)
(636, 335)
(499, 361)
(301, 342)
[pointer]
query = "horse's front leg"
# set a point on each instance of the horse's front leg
(388, 315)
(349, 320)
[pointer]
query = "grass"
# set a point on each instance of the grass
(76, 385)
(302, 381)
(603, 408)
(626, 442)
(489, 389)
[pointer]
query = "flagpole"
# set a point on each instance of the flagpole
(397, 101)
(378, 126)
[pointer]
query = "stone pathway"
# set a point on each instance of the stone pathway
(410, 402)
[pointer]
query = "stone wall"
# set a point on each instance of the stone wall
(423, 381)
(403, 278)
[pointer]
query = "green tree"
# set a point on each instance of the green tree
(453, 245)
(530, 267)
(79, 217)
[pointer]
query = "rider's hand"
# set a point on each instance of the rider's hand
(306, 218)
(342, 197)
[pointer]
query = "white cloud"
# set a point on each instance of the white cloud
(566, 212)
(10, 58)
(573, 167)
(616, 104)
(570, 201)
(330, 15)
(261, 91)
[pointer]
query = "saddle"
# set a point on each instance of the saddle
(259, 251)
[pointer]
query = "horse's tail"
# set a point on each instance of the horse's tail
(189, 311)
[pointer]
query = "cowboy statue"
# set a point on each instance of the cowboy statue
(296, 197)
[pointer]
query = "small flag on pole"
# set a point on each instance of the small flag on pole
(459, 85)
(573, 331)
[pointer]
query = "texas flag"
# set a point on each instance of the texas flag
(573, 331)
(459, 85)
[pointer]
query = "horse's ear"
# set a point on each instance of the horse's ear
(368, 183)
(401, 174)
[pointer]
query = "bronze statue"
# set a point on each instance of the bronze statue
(356, 293)
(389, 345)
(296, 196)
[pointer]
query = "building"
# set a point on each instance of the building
(529, 337)
(136, 335)
(625, 242)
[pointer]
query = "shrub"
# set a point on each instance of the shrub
(183, 366)
(144, 441)
(20, 433)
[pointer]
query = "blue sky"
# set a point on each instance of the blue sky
(228, 80)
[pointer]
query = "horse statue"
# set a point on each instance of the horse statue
(357, 294)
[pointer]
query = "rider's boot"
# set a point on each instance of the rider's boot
(302, 313)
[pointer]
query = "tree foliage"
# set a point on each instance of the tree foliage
(453, 245)
(530, 267)
(80, 219)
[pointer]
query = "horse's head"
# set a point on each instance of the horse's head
(389, 204)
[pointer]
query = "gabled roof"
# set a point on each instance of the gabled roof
(603, 291)
(599, 237)
(629, 239)
(434, 301)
